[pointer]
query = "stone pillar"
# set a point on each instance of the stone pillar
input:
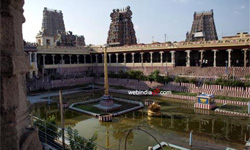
(124, 58)
(133, 58)
(16, 131)
(229, 57)
(142, 57)
(151, 57)
(62, 61)
(173, 57)
(53, 59)
(30, 55)
(70, 59)
(84, 57)
(109, 58)
(96, 58)
(161, 56)
(77, 58)
(245, 56)
(44, 59)
(116, 54)
(188, 58)
(202, 55)
(35, 59)
(214, 50)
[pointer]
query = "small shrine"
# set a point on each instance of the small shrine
(205, 101)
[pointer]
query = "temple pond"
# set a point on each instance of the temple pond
(179, 118)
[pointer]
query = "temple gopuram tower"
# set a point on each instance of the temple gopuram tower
(53, 31)
(52, 22)
(203, 28)
(121, 30)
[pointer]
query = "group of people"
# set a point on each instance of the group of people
(204, 63)
(201, 63)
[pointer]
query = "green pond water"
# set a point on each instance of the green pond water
(179, 118)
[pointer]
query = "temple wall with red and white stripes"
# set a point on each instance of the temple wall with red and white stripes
(243, 92)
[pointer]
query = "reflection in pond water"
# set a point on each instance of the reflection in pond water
(178, 119)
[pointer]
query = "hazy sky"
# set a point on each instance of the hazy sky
(91, 18)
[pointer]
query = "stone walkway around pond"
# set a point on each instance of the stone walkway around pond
(44, 97)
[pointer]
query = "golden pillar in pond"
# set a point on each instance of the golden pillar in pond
(106, 84)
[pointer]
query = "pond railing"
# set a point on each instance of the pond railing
(51, 135)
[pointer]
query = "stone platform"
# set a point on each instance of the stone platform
(107, 108)
(138, 106)
(107, 104)
(105, 117)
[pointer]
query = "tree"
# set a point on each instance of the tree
(48, 126)
(77, 142)
(155, 76)
(135, 74)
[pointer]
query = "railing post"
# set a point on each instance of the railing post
(248, 107)
(45, 133)
(190, 139)
(62, 120)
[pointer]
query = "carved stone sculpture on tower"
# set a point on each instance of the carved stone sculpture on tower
(203, 28)
(121, 30)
